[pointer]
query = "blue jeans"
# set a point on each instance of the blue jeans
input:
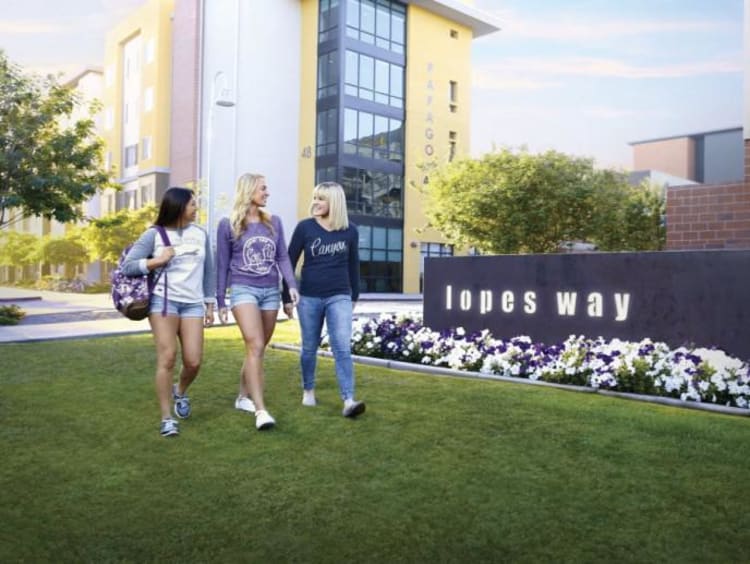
(337, 313)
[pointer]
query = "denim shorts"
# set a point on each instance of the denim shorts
(180, 309)
(264, 298)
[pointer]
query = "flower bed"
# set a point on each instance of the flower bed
(645, 367)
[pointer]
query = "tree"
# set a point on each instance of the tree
(517, 202)
(46, 168)
(106, 238)
(68, 250)
(632, 220)
(18, 250)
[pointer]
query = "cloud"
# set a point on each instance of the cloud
(490, 81)
(526, 68)
(25, 27)
(564, 28)
(603, 112)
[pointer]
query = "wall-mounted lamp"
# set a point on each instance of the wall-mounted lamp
(413, 244)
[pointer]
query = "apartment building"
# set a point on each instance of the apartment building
(706, 157)
(363, 92)
(88, 84)
(137, 101)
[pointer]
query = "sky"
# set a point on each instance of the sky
(584, 77)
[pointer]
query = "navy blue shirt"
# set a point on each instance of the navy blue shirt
(331, 264)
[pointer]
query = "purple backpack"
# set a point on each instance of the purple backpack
(132, 294)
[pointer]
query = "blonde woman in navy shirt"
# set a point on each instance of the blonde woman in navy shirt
(251, 254)
(329, 287)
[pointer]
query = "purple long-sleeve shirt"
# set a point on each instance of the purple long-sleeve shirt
(255, 259)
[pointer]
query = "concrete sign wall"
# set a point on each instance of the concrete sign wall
(698, 297)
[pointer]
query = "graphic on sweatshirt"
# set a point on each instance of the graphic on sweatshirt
(258, 255)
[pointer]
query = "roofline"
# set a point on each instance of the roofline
(687, 135)
(481, 23)
(79, 75)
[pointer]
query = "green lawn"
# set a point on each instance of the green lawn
(437, 470)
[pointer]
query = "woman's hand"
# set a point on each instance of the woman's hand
(166, 255)
(210, 317)
(294, 294)
(223, 315)
(289, 310)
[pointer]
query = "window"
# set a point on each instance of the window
(372, 79)
(328, 16)
(148, 99)
(453, 96)
(373, 193)
(149, 51)
(145, 148)
(131, 155)
(451, 145)
(328, 74)
(147, 194)
(327, 174)
(373, 136)
(381, 258)
(377, 22)
(327, 132)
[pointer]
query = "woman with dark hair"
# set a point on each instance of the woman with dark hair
(183, 299)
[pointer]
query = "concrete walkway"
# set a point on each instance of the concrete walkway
(61, 315)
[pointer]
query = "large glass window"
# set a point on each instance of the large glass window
(373, 136)
(377, 22)
(327, 132)
(381, 257)
(328, 16)
(328, 74)
(372, 79)
(325, 174)
(373, 193)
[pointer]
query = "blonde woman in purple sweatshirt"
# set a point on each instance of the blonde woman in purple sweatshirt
(251, 254)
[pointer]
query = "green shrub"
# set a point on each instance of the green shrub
(11, 314)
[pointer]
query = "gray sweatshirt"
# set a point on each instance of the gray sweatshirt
(191, 274)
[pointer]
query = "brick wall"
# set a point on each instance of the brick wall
(710, 216)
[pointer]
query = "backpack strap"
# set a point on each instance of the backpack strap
(165, 239)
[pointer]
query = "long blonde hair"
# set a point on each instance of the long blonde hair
(333, 193)
(247, 184)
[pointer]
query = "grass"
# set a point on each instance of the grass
(437, 470)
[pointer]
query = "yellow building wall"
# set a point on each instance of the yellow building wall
(434, 59)
(158, 75)
(150, 21)
(308, 101)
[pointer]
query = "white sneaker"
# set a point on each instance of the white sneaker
(263, 420)
(308, 398)
(352, 408)
(244, 403)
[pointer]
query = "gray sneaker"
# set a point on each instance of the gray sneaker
(182, 407)
(352, 408)
(169, 428)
